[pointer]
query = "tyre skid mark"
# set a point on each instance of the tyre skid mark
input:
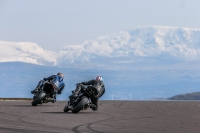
(88, 125)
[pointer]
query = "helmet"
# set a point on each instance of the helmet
(60, 74)
(99, 78)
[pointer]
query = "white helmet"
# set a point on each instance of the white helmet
(99, 78)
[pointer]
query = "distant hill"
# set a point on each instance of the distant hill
(18, 79)
(187, 96)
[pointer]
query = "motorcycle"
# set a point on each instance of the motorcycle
(82, 101)
(44, 94)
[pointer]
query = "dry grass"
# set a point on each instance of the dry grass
(25, 99)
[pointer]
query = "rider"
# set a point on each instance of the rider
(57, 81)
(98, 84)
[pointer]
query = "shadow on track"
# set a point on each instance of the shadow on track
(80, 113)
(21, 105)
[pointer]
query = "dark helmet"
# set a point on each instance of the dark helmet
(60, 74)
(99, 78)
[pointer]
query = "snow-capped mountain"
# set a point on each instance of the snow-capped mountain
(126, 46)
(182, 43)
(26, 52)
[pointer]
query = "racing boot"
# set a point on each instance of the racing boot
(38, 87)
(94, 107)
(34, 91)
(54, 99)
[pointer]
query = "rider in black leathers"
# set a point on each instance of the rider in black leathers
(98, 84)
(57, 81)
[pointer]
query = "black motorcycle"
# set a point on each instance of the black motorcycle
(82, 101)
(45, 93)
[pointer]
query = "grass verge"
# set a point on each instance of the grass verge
(26, 99)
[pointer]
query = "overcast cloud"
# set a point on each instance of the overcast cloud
(54, 24)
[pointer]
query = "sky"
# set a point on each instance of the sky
(53, 24)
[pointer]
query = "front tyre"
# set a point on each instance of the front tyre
(80, 105)
(66, 109)
(34, 103)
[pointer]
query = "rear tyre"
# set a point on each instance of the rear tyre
(38, 99)
(80, 105)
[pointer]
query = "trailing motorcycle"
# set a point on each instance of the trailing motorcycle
(82, 101)
(44, 94)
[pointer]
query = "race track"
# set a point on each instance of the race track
(112, 117)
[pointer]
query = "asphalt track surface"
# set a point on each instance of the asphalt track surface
(112, 117)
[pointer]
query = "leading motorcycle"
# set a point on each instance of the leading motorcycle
(82, 101)
(45, 93)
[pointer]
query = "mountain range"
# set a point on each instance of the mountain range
(139, 63)
(162, 42)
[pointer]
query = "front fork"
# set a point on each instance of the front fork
(35, 94)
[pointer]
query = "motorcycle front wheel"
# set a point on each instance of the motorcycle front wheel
(80, 105)
(66, 109)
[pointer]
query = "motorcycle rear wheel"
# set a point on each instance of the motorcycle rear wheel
(80, 105)
(38, 99)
